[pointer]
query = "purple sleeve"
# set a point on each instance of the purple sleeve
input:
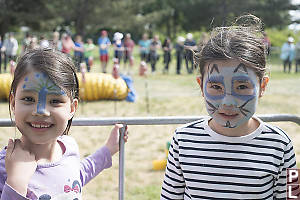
(92, 165)
(8, 193)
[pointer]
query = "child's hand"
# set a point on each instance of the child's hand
(113, 141)
(20, 165)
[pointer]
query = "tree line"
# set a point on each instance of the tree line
(169, 17)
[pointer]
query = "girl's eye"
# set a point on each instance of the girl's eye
(216, 87)
(55, 101)
(242, 87)
(28, 99)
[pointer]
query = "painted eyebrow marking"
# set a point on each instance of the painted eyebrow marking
(57, 92)
(241, 65)
(214, 67)
(216, 79)
(242, 81)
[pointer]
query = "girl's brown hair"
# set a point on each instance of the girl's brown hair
(242, 41)
(59, 68)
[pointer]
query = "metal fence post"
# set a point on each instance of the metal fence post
(121, 162)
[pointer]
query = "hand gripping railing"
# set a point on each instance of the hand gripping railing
(151, 121)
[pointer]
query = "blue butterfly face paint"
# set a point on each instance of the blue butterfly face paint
(231, 93)
(41, 84)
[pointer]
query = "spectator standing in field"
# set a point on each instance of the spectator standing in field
(1, 44)
(144, 45)
(118, 46)
(104, 43)
(88, 53)
(67, 43)
(56, 42)
(10, 46)
(26, 42)
(267, 43)
(288, 53)
(128, 52)
(189, 45)
(33, 43)
(167, 48)
(155, 45)
(297, 56)
(179, 53)
(78, 52)
(44, 43)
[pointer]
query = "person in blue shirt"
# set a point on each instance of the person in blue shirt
(78, 52)
(288, 53)
(144, 45)
(104, 44)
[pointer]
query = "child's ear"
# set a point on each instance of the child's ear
(263, 85)
(199, 81)
(12, 102)
(74, 106)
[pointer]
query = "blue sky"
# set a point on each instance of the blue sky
(295, 15)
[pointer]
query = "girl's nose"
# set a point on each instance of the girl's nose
(41, 110)
(229, 100)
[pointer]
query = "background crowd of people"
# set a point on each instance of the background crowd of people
(150, 50)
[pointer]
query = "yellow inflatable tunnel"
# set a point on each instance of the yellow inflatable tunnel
(95, 86)
(102, 86)
(5, 82)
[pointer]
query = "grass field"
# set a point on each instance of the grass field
(170, 95)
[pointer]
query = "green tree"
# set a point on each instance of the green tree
(15, 13)
(87, 17)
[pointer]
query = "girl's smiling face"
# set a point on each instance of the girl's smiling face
(41, 108)
(231, 92)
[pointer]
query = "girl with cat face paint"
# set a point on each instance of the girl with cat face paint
(231, 154)
(231, 91)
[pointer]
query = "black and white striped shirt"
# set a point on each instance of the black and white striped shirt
(203, 164)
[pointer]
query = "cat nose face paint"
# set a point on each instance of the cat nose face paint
(231, 93)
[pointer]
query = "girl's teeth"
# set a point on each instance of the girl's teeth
(40, 126)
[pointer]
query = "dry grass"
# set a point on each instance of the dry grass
(170, 95)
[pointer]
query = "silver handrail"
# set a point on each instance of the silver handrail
(106, 121)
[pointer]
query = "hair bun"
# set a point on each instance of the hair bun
(249, 21)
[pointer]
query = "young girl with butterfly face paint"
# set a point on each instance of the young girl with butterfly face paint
(231, 154)
(45, 162)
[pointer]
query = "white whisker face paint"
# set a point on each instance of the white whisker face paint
(231, 93)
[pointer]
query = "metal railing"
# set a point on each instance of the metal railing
(107, 121)
(151, 121)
